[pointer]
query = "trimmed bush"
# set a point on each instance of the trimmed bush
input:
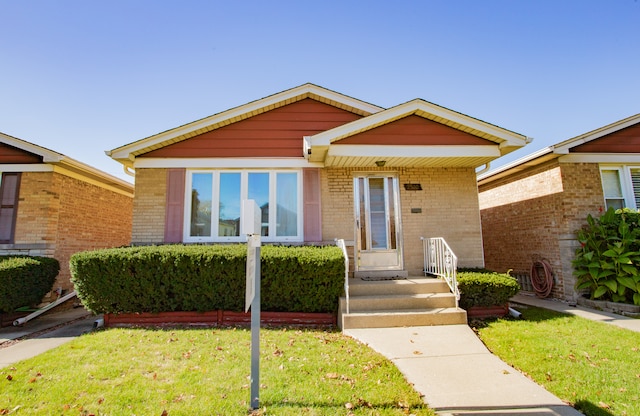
(486, 289)
(24, 280)
(204, 278)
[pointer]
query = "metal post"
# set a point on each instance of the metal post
(254, 243)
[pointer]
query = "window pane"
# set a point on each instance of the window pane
(286, 204)
(259, 192)
(611, 184)
(201, 204)
(362, 214)
(229, 216)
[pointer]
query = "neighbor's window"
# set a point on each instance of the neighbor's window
(621, 186)
(9, 190)
(214, 203)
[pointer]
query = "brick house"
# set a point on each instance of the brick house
(55, 206)
(532, 207)
(323, 166)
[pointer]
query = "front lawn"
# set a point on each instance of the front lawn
(207, 372)
(592, 365)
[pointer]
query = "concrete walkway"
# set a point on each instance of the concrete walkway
(42, 334)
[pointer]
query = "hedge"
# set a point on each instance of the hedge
(24, 280)
(486, 289)
(206, 277)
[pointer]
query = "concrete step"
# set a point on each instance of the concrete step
(393, 302)
(389, 319)
(414, 285)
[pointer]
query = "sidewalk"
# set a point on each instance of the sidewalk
(71, 323)
(587, 313)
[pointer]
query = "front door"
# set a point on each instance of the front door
(377, 217)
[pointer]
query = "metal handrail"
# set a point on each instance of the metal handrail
(340, 243)
(440, 260)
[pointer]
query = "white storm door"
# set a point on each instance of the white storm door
(377, 218)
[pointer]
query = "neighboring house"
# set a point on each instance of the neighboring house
(532, 208)
(322, 166)
(55, 206)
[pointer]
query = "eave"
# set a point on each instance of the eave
(70, 167)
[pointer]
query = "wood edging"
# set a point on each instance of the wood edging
(487, 311)
(218, 318)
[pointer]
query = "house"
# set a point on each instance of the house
(322, 166)
(54, 206)
(531, 208)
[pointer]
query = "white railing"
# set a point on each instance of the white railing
(340, 243)
(439, 260)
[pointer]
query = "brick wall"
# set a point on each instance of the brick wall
(534, 214)
(149, 206)
(448, 203)
(59, 215)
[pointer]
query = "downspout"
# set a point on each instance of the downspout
(486, 167)
(23, 320)
(129, 170)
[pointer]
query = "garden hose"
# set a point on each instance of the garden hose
(541, 284)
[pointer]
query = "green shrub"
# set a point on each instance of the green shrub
(486, 289)
(607, 264)
(24, 280)
(204, 278)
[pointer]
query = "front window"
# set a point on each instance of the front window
(621, 186)
(218, 195)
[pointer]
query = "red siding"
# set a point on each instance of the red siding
(12, 155)
(414, 130)
(275, 133)
(174, 216)
(622, 141)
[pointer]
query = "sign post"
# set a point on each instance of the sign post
(252, 221)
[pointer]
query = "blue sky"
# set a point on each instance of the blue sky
(82, 77)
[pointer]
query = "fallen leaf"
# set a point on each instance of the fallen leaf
(548, 375)
(9, 377)
(604, 405)
(572, 357)
(164, 413)
(417, 353)
(332, 376)
(505, 372)
(349, 406)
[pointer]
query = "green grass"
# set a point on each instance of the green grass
(207, 372)
(591, 365)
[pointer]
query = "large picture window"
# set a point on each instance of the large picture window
(214, 200)
(621, 186)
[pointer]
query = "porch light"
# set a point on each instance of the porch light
(380, 163)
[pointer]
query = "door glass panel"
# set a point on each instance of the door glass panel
(259, 192)
(362, 214)
(378, 213)
(286, 204)
(392, 214)
(229, 216)
(201, 204)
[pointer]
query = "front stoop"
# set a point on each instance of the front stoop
(415, 301)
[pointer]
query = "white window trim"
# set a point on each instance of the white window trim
(244, 174)
(624, 173)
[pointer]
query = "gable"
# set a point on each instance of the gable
(13, 155)
(275, 133)
(626, 140)
(413, 130)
